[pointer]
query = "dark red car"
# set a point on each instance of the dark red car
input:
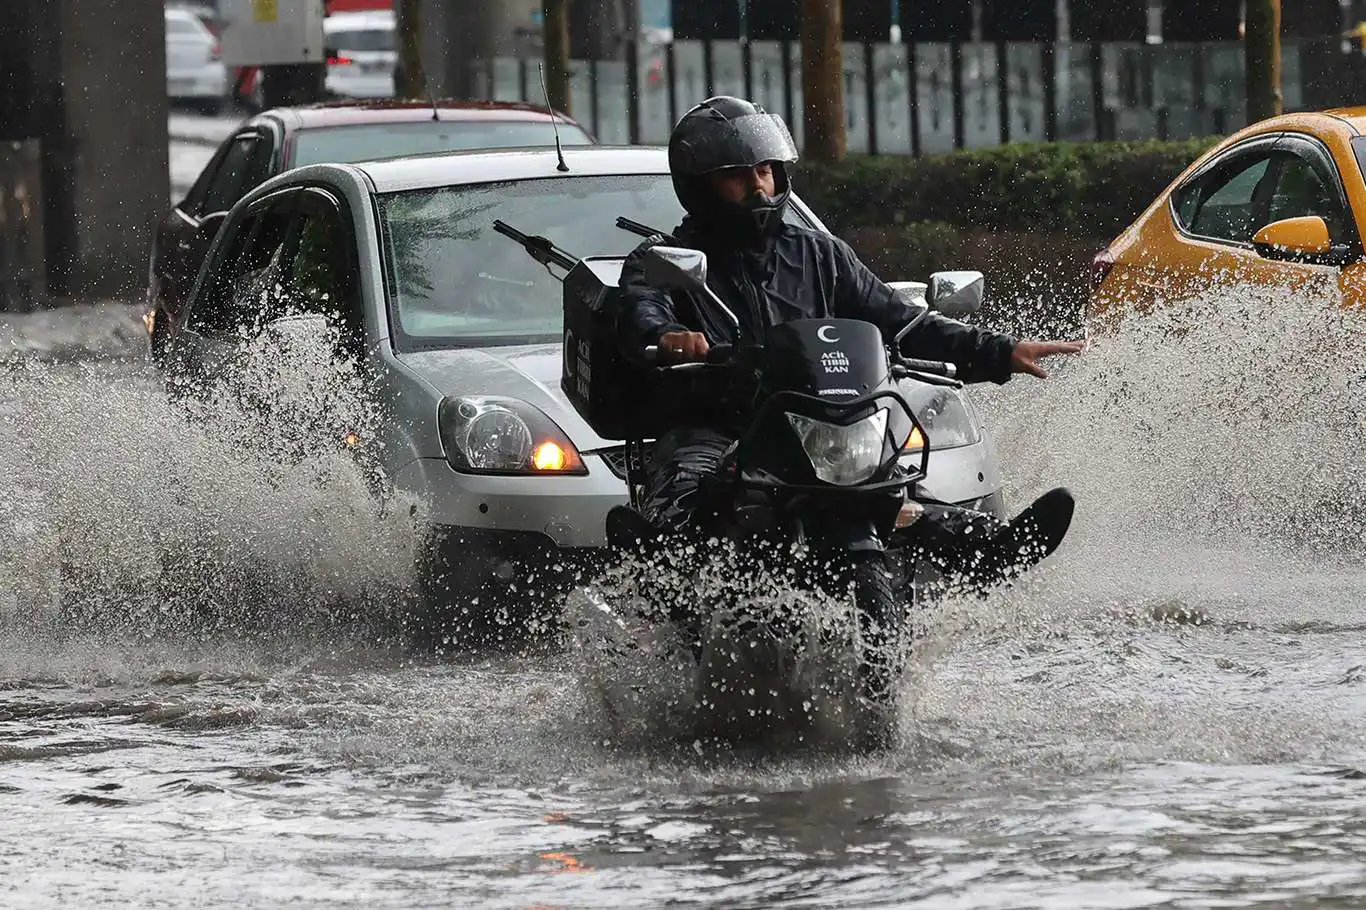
(280, 139)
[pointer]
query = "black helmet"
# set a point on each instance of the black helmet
(725, 132)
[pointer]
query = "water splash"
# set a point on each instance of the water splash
(1213, 447)
(1212, 444)
(122, 507)
(776, 666)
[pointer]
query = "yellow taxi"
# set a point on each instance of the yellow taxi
(1280, 203)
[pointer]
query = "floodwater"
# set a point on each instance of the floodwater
(201, 703)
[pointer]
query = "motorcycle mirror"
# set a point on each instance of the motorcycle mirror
(675, 268)
(956, 294)
(912, 292)
(924, 311)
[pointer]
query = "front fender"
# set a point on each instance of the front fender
(856, 536)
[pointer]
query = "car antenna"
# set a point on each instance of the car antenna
(554, 125)
(427, 87)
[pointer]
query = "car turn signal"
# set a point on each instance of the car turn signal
(915, 442)
(551, 457)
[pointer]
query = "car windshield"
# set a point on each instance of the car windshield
(454, 281)
(349, 144)
(370, 39)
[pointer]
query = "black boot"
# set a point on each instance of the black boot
(983, 551)
(628, 530)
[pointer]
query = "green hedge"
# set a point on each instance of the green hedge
(1091, 190)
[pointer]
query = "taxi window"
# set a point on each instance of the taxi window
(1300, 191)
(1223, 205)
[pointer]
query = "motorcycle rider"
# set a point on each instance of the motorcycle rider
(728, 159)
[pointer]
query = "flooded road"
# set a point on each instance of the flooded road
(1170, 713)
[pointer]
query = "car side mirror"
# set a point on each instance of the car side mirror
(299, 325)
(675, 268)
(956, 294)
(204, 234)
(1302, 239)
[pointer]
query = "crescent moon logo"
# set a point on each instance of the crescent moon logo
(824, 334)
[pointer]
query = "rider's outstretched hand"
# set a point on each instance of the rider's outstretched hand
(1025, 357)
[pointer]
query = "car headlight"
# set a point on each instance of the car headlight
(842, 455)
(504, 436)
(945, 416)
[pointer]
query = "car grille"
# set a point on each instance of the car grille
(615, 459)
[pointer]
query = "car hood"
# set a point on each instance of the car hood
(527, 372)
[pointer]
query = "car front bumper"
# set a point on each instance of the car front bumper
(571, 512)
(568, 511)
(968, 476)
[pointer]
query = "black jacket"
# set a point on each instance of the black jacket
(798, 274)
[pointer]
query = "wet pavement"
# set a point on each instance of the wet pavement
(1167, 714)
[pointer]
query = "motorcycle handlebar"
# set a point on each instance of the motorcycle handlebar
(723, 354)
(717, 355)
(933, 367)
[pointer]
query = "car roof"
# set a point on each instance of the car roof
(484, 166)
(358, 113)
(1355, 117)
(1350, 121)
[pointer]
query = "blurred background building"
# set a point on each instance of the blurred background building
(88, 85)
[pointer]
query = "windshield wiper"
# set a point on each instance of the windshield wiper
(539, 248)
(641, 230)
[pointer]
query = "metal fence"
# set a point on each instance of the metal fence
(913, 99)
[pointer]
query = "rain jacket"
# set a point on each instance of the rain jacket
(797, 273)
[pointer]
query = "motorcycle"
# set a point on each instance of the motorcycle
(815, 479)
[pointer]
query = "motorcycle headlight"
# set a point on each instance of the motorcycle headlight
(945, 416)
(842, 455)
(504, 436)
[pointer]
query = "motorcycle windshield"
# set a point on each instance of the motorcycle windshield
(834, 359)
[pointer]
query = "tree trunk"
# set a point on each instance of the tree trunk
(555, 25)
(822, 81)
(411, 81)
(1262, 51)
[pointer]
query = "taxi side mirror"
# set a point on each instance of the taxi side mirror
(1303, 239)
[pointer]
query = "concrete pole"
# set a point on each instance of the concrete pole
(100, 110)
(822, 81)
(1262, 53)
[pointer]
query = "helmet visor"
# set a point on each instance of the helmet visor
(743, 142)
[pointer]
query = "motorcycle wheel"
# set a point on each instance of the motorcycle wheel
(881, 616)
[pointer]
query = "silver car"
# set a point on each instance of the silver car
(459, 330)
